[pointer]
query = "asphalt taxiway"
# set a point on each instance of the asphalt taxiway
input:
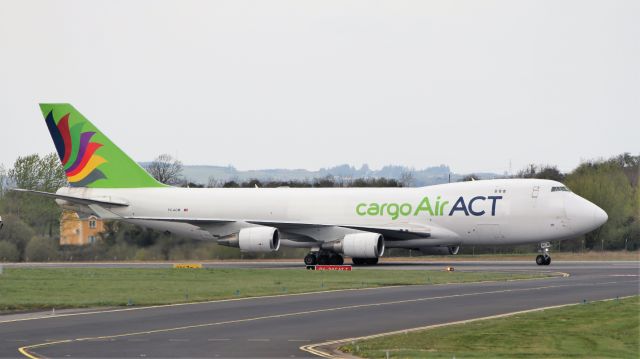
(278, 326)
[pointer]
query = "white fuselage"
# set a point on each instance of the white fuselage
(490, 212)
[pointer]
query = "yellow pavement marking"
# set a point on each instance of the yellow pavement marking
(316, 349)
(187, 265)
(24, 349)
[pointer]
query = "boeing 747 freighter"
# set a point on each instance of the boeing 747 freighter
(331, 222)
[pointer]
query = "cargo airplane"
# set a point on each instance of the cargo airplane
(331, 222)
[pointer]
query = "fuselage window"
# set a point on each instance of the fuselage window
(559, 189)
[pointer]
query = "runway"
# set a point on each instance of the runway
(278, 326)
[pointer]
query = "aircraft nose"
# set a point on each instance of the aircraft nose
(599, 215)
(584, 216)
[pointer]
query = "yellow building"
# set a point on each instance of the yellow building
(79, 231)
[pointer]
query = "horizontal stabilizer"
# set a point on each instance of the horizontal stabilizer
(102, 212)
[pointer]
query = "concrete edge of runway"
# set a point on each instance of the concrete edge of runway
(329, 349)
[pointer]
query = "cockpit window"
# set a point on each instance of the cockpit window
(560, 189)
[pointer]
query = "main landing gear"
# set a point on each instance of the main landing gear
(323, 258)
(332, 258)
(364, 261)
(544, 259)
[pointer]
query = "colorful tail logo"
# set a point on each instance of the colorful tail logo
(77, 152)
(89, 158)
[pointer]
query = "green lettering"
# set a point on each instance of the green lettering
(393, 210)
(405, 209)
(442, 207)
(374, 209)
(424, 205)
(381, 212)
(358, 207)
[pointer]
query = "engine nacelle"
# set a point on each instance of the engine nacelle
(259, 239)
(358, 245)
(0, 222)
(441, 250)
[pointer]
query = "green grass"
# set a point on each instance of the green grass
(44, 288)
(608, 329)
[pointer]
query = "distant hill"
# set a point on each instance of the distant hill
(423, 177)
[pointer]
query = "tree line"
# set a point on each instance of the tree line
(32, 224)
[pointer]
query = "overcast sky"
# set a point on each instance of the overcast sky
(301, 84)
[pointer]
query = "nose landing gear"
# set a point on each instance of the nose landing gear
(544, 259)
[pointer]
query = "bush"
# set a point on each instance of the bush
(17, 232)
(149, 254)
(120, 251)
(183, 252)
(9, 252)
(41, 249)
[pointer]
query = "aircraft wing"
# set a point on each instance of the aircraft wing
(395, 233)
(194, 221)
(74, 199)
(389, 233)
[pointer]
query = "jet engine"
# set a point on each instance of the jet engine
(259, 239)
(254, 239)
(0, 222)
(440, 250)
(359, 245)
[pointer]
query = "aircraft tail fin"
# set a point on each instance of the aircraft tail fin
(88, 157)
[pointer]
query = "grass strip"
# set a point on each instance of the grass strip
(45, 288)
(605, 329)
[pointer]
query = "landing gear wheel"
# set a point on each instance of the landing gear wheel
(336, 260)
(310, 259)
(364, 261)
(358, 261)
(544, 259)
(324, 259)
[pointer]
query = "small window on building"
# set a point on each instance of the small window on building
(92, 239)
(92, 224)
